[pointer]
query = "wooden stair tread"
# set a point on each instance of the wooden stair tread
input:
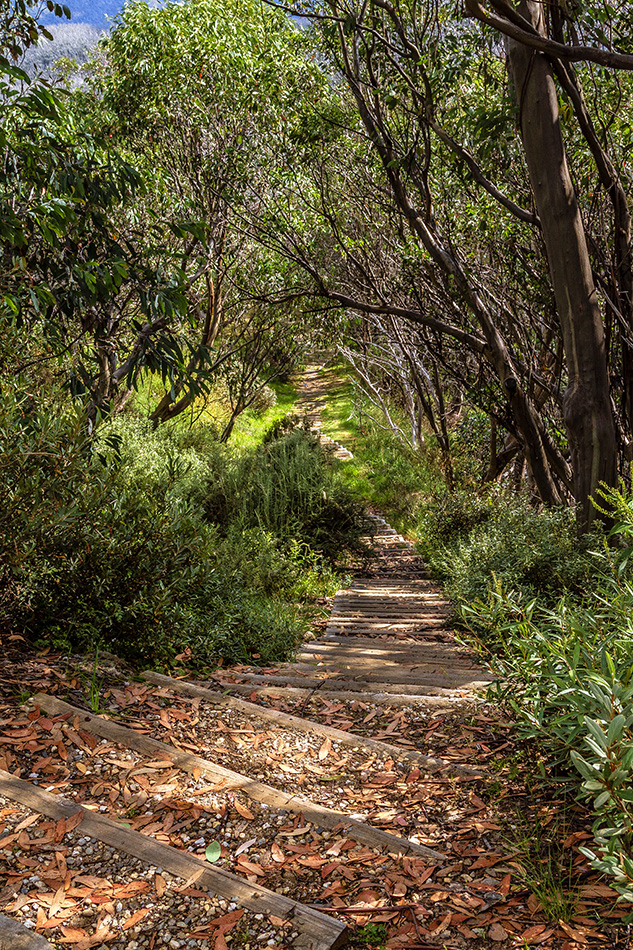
(258, 791)
(320, 932)
(306, 725)
(313, 683)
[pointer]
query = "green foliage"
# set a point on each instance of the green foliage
(383, 469)
(371, 935)
(470, 538)
(102, 543)
(544, 867)
(567, 671)
(286, 487)
(112, 549)
(76, 271)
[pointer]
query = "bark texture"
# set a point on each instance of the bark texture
(587, 406)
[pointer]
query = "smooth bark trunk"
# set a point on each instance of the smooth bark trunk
(587, 407)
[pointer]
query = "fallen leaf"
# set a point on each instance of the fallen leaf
(134, 919)
(532, 933)
(243, 811)
(325, 749)
(251, 868)
(497, 932)
(213, 852)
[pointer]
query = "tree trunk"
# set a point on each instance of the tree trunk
(587, 407)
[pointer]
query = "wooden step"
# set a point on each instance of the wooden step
(397, 753)
(398, 636)
(363, 659)
(319, 932)
(258, 791)
(379, 647)
(422, 619)
(14, 936)
(436, 676)
(391, 584)
(418, 601)
(313, 683)
(283, 692)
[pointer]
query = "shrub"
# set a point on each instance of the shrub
(475, 541)
(102, 547)
(567, 671)
(105, 542)
(287, 488)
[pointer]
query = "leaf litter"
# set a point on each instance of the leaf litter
(480, 897)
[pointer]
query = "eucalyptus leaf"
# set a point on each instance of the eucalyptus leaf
(213, 852)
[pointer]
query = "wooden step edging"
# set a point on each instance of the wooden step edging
(258, 791)
(318, 932)
(385, 645)
(14, 936)
(407, 654)
(305, 725)
(441, 676)
(303, 693)
(358, 686)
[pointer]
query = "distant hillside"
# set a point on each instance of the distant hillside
(96, 13)
(72, 39)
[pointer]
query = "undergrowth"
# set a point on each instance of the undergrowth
(111, 543)
(555, 618)
(393, 477)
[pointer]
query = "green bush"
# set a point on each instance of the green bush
(497, 539)
(105, 543)
(567, 671)
(287, 488)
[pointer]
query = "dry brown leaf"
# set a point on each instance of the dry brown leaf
(325, 749)
(57, 902)
(72, 935)
(529, 935)
(160, 884)
(243, 811)
(245, 865)
(497, 932)
(443, 925)
(277, 854)
(134, 919)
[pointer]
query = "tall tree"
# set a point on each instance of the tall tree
(432, 96)
(199, 92)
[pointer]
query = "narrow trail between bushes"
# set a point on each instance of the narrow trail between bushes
(359, 793)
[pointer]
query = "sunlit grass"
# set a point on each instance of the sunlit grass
(251, 426)
(383, 469)
(213, 410)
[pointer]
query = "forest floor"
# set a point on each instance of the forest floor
(367, 785)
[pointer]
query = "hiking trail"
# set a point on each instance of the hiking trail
(275, 806)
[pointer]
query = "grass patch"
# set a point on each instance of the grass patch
(545, 866)
(384, 470)
(252, 425)
(212, 411)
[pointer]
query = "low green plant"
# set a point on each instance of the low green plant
(567, 671)
(94, 685)
(496, 540)
(104, 540)
(371, 935)
(286, 487)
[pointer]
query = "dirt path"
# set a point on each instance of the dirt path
(365, 785)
